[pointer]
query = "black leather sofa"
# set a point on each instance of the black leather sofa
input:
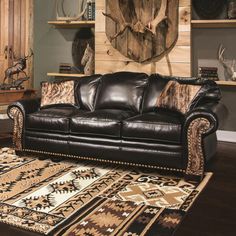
(117, 121)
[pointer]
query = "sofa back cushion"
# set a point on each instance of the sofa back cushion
(209, 92)
(86, 90)
(155, 86)
(121, 90)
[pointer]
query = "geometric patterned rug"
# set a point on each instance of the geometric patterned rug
(84, 199)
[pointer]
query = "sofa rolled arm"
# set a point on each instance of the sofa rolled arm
(200, 122)
(17, 112)
(26, 106)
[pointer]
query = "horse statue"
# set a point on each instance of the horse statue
(88, 60)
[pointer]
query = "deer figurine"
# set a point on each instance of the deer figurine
(230, 74)
(18, 67)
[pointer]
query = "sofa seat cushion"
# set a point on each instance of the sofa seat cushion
(154, 126)
(55, 119)
(104, 123)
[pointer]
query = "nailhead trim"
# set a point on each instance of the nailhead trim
(106, 161)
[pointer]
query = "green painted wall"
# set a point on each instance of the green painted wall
(52, 46)
(205, 44)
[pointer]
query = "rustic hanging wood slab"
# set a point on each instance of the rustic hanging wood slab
(142, 30)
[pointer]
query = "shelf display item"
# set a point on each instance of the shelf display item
(208, 73)
(209, 9)
(230, 73)
(88, 60)
(62, 11)
(231, 9)
(82, 38)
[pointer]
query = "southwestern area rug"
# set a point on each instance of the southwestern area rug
(82, 199)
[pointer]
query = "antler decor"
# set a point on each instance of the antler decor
(230, 74)
(159, 18)
(137, 27)
(117, 17)
(68, 17)
(142, 30)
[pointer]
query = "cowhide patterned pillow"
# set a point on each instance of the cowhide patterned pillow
(57, 93)
(178, 97)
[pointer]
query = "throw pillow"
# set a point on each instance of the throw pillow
(177, 96)
(61, 93)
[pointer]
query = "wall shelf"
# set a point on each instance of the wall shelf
(64, 75)
(223, 23)
(228, 83)
(72, 24)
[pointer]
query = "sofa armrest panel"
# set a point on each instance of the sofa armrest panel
(218, 110)
(26, 106)
(216, 113)
(17, 112)
(200, 122)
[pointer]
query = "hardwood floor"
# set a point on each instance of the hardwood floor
(214, 211)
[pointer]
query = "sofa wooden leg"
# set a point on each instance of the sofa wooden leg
(20, 153)
(195, 178)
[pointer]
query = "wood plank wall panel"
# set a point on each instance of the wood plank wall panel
(18, 29)
(16, 32)
(108, 59)
(29, 21)
(4, 21)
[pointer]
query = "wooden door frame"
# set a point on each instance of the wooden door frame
(4, 21)
(29, 39)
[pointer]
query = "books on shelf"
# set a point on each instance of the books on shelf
(65, 68)
(91, 10)
(208, 72)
